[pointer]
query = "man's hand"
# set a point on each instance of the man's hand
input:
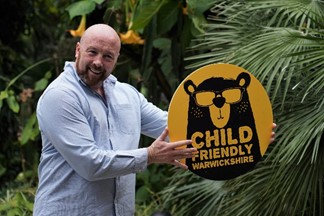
(163, 152)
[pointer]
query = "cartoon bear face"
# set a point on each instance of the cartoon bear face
(219, 116)
(218, 95)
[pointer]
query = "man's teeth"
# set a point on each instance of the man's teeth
(95, 71)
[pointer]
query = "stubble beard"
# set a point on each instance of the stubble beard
(84, 76)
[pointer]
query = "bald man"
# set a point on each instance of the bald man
(90, 127)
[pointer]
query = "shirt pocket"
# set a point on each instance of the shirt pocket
(127, 118)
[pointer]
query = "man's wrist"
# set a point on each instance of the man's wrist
(149, 155)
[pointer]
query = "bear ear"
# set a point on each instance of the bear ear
(243, 79)
(189, 87)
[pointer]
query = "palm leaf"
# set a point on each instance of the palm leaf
(281, 43)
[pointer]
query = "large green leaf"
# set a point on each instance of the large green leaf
(12, 102)
(3, 95)
(42, 83)
(199, 7)
(30, 130)
(167, 17)
(196, 10)
(81, 8)
(145, 12)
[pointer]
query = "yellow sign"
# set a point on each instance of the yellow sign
(227, 114)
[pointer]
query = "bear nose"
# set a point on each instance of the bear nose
(219, 101)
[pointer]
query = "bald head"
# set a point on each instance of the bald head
(101, 32)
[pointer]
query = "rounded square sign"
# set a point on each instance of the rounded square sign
(227, 114)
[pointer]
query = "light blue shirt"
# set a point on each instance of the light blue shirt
(90, 148)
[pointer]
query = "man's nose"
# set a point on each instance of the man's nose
(98, 61)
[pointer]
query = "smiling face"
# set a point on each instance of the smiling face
(96, 54)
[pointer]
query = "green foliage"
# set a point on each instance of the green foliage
(32, 53)
(151, 182)
(281, 43)
(144, 13)
(28, 60)
(155, 68)
(17, 202)
(167, 17)
(83, 7)
(9, 94)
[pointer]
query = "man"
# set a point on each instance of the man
(90, 126)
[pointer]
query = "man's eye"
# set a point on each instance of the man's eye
(92, 52)
(108, 57)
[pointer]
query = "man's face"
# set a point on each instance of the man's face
(95, 59)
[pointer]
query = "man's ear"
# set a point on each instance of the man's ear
(77, 50)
